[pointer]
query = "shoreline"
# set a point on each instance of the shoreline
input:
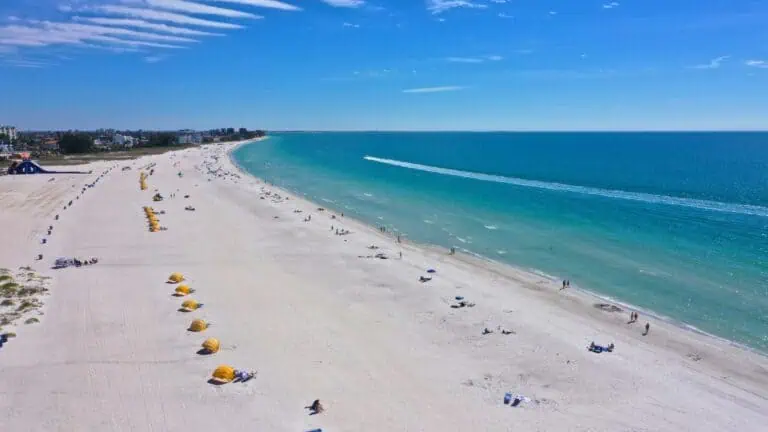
(485, 263)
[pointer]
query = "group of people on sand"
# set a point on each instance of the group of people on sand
(341, 232)
(566, 284)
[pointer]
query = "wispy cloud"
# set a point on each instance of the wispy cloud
(272, 4)
(154, 59)
(345, 3)
(69, 34)
(464, 60)
(762, 64)
(155, 15)
(503, 15)
(433, 89)
(346, 24)
(197, 8)
(610, 5)
(163, 28)
(31, 64)
(474, 59)
(440, 6)
(86, 29)
(713, 64)
(131, 25)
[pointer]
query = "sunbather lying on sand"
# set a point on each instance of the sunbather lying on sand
(243, 375)
(598, 348)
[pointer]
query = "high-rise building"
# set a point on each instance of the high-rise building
(10, 131)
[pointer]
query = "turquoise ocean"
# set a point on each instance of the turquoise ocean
(673, 223)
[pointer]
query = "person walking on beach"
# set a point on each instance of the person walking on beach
(647, 328)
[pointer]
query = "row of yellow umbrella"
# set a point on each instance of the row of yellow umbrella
(223, 373)
(154, 222)
(143, 180)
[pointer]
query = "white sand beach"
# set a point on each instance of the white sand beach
(317, 319)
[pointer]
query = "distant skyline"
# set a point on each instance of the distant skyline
(478, 65)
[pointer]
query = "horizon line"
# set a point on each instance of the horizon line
(420, 130)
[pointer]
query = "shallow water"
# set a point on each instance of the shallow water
(676, 223)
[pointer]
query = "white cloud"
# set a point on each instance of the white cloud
(474, 59)
(499, 1)
(610, 5)
(464, 60)
(346, 24)
(713, 64)
(762, 64)
(154, 15)
(113, 31)
(63, 34)
(13, 18)
(154, 59)
(345, 3)
(34, 64)
(196, 8)
(163, 28)
(433, 89)
(503, 15)
(272, 4)
(440, 6)
(553, 12)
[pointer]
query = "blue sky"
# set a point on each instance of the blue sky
(384, 64)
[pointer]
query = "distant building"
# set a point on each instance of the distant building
(124, 141)
(10, 131)
(50, 144)
(190, 138)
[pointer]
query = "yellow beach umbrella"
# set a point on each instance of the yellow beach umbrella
(224, 373)
(175, 277)
(183, 290)
(198, 325)
(190, 305)
(211, 345)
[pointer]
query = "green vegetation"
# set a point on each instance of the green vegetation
(9, 289)
(76, 143)
(161, 139)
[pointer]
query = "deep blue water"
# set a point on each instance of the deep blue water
(675, 223)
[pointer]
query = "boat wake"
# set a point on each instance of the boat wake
(717, 206)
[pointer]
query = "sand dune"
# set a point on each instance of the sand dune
(318, 319)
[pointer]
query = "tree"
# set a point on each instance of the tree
(162, 139)
(75, 143)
